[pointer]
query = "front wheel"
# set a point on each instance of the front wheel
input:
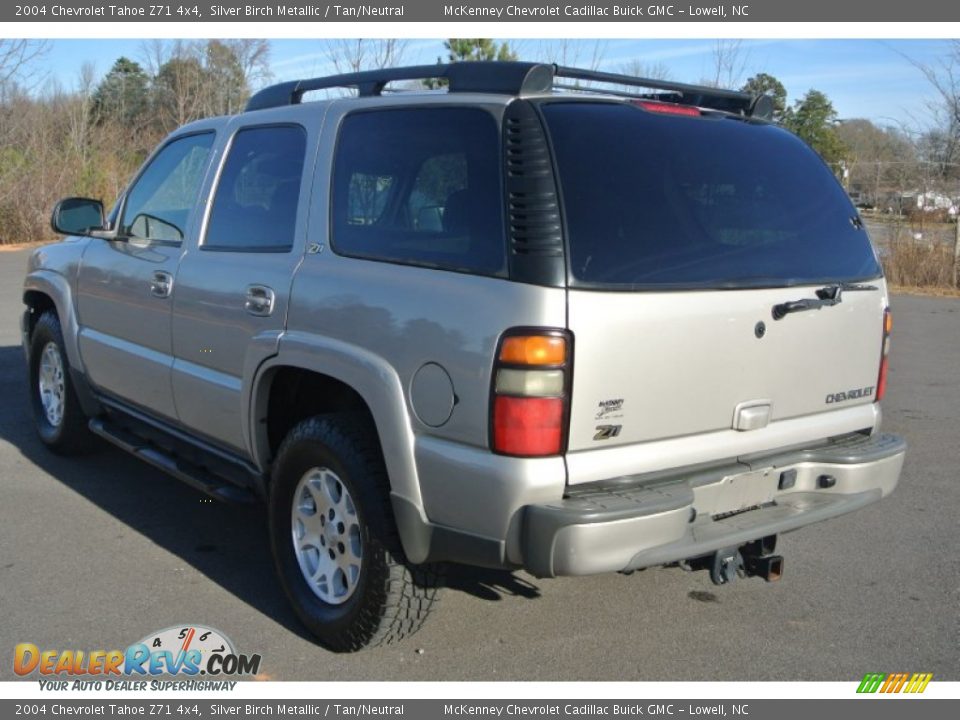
(59, 419)
(334, 540)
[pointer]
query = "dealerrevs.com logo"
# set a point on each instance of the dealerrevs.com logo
(185, 651)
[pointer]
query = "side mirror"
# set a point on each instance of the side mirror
(77, 216)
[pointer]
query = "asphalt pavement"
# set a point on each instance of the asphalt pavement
(98, 552)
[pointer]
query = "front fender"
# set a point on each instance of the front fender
(56, 287)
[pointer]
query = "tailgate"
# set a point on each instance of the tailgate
(651, 366)
(684, 232)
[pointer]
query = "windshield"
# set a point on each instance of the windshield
(653, 201)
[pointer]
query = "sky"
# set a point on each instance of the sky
(871, 79)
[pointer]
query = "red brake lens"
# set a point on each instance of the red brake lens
(882, 380)
(528, 426)
(884, 352)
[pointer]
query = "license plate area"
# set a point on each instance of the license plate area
(735, 493)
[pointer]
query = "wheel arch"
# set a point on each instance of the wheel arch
(45, 290)
(326, 375)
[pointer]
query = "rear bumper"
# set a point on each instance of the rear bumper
(626, 527)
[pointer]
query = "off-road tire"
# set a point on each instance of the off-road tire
(392, 598)
(71, 436)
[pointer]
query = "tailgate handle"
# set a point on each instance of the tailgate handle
(752, 415)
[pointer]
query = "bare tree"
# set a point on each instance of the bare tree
(253, 56)
(881, 161)
(78, 113)
(942, 142)
(194, 79)
(178, 81)
(573, 53)
(18, 72)
(730, 60)
(17, 56)
(354, 55)
(637, 68)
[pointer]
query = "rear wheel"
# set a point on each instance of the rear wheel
(60, 421)
(334, 540)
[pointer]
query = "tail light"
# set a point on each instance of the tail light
(529, 407)
(884, 355)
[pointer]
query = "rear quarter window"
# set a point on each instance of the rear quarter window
(654, 200)
(420, 186)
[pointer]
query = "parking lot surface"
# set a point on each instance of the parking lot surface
(97, 552)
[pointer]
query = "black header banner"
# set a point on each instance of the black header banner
(452, 11)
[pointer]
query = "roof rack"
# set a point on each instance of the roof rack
(734, 101)
(516, 78)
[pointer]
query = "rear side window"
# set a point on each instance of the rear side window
(255, 205)
(420, 187)
(664, 201)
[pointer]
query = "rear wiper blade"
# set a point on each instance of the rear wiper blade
(781, 310)
(826, 297)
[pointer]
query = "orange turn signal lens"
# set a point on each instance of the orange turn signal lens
(534, 350)
(887, 322)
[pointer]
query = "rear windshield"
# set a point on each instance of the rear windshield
(654, 200)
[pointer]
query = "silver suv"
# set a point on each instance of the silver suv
(526, 322)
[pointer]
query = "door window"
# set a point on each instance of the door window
(159, 203)
(255, 205)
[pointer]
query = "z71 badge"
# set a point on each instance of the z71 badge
(605, 432)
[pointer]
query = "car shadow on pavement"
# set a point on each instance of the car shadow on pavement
(488, 584)
(227, 543)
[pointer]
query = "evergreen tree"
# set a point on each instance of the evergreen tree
(814, 119)
(460, 49)
(482, 49)
(122, 95)
(764, 84)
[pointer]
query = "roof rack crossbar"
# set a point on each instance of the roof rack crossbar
(664, 96)
(709, 97)
(512, 78)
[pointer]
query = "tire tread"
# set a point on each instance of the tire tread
(74, 436)
(407, 593)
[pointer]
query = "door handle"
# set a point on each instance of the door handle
(259, 300)
(161, 285)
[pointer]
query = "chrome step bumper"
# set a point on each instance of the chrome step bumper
(619, 528)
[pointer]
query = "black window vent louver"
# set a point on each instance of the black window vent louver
(534, 224)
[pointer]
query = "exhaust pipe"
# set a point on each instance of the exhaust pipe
(769, 567)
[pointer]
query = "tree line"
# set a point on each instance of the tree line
(90, 139)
